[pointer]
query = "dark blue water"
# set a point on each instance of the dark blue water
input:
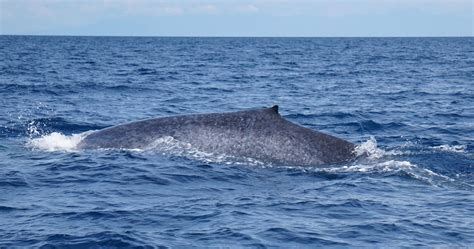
(407, 102)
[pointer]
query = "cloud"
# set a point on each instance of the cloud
(248, 8)
(173, 10)
(205, 8)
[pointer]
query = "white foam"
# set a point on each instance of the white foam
(370, 149)
(386, 167)
(381, 167)
(171, 146)
(57, 142)
(451, 148)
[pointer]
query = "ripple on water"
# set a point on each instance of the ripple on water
(102, 239)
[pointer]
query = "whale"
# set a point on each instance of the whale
(261, 134)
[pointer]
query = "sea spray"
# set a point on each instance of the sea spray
(370, 149)
(56, 141)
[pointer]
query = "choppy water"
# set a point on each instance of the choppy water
(408, 102)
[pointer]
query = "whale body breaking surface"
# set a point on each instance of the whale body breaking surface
(260, 134)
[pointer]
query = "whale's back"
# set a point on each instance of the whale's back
(260, 134)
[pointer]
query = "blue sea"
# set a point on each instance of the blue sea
(408, 103)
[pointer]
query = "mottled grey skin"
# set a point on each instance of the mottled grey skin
(260, 134)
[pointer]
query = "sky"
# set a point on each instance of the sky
(316, 18)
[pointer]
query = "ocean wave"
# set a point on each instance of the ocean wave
(390, 168)
(301, 237)
(106, 239)
(451, 148)
(11, 209)
(13, 182)
(335, 114)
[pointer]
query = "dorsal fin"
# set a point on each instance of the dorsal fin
(273, 109)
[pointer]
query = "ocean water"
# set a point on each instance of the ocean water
(406, 102)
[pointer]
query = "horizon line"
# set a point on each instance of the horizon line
(232, 36)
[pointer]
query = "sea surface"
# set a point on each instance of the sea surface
(407, 102)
